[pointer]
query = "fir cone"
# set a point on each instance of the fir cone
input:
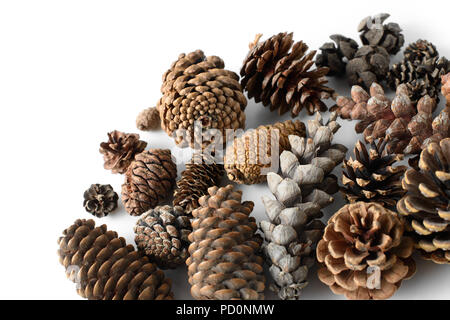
(336, 56)
(148, 119)
(249, 157)
(162, 234)
(364, 253)
(100, 200)
(120, 149)
(426, 206)
(106, 268)
(149, 180)
(277, 72)
(224, 260)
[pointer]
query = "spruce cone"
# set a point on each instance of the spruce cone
(335, 57)
(149, 180)
(106, 268)
(224, 260)
(162, 233)
(363, 252)
(148, 119)
(100, 200)
(200, 174)
(426, 206)
(120, 149)
(249, 157)
(198, 89)
(277, 72)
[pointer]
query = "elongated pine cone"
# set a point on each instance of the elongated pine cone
(106, 268)
(249, 158)
(149, 180)
(426, 207)
(201, 173)
(277, 72)
(148, 119)
(198, 89)
(100, 200)
(364, 253)
(162, 234)
(224, 260)
(120, 149)
(336, 56)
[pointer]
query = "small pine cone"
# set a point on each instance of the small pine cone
(120, 149)
(224, 260)
(336, 56)
(277, 72)
(201, 173)
(100, 200)
(148, 119)
(445, 79)
(106, 268)
(364, 253)
(249, 158)
(162, 234)
(426, 205)
(149, 180)
(375, 33)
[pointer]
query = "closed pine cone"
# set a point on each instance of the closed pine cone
(224, 260)
(106, 268)
(100, 200)
(148, 119)
(426, 206)
(365, 242)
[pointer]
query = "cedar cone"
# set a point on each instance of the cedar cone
(426, 206)
(106, 268)
(363, 239)
(277, 72)
(336, 56)
(100, 200)
(149, 180)
(120, 149)
(224, 260)
(148, 119)
(249, 156)
(162, 233)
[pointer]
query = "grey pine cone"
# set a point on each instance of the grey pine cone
(100, 200)
(336, 55)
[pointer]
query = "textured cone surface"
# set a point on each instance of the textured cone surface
(277, 72)
(100, 200)
(426, 206)
(362, 240)
(148, 119)
(161, 233)
(335, 55)
(106, 268)
(446, 88)
(224, 260)
(149, 180)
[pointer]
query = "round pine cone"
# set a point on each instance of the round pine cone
(277, 72)
(363, 252)
(100, 200)
(336, 56)
(148, 119)
(426, 206)
(149, 180)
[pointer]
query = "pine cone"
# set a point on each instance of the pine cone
(335, 57)
(148, 119)
(100, 200)
(200, 174)
(249, 157)
(426, 205)
(372, 176)
(445, 79)
(106, 268)
(363, 252)
(149, 180)
(277, 72)
(224, 260)
(198, 89)
(120, 149)
(162, 233)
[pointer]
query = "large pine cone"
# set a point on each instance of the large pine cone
(426, 207)
(198, 89)
(363, 253)
(149, 180)
(106, 268)
(277, 72)
(100, 200)
(224, 260)
(336, 56)
(162, 233)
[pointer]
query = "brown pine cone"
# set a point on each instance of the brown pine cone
(336, 56)
(148, 119)
(106, 268)
(277, 72)
(224, 260)
(363, 253)
(426, 206)
(120, 149)
(100, 200)
(445, 79)
(149, 180)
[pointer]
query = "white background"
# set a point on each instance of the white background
(71, 71)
